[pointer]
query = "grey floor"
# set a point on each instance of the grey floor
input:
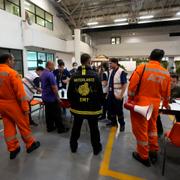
(54, 161)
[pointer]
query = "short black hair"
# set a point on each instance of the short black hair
(157, 54)
(114, 60)
(85, 58)
(4, 58)
(175, 76)
(39, 68)
(60, 62)
(105, 65)
(74, 64)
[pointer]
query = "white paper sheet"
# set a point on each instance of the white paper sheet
(177, 101)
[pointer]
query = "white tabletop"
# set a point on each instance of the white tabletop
(60, 92)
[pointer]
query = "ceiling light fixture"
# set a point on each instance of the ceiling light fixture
(106, 25)
(58, 1)
(120, 20)
(122, 24)
(143, 22)
(92, 23)
(178, 13)
(146, 17)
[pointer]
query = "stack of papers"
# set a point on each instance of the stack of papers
(175, 106)
(177, 101)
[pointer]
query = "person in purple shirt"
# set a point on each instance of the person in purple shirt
(51, 100)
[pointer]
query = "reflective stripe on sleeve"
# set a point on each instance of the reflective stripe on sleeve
(3, 73)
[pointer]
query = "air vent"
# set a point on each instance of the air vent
(174, 34)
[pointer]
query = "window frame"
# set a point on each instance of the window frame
(9, 1)
(9, 50)
(116, 37)
(37, 16)
(38, 64)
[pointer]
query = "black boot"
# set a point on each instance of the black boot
(153, 156)
(122, 128)
(73, 147)
(145, 162)
(34, 146)
(98, 150)
(14, 153)
(63, 130)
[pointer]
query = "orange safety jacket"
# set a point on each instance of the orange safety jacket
(154, 86)
(11, 88)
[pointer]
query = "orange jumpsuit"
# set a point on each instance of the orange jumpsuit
(13, 105)
(155, 86)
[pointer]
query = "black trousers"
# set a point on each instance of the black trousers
(177, 118)
(159, 125)
(53, 115)
(115, 109)
(104, 105)
(94, 132)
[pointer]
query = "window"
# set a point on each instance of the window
(115, 40)
(40, 21)
(12, 6)
(1, 4)
(38, 59)
(18, 58)
(38, 15)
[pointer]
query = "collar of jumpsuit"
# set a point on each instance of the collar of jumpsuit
(154, 62)
(4, 65)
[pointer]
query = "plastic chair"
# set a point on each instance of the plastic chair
(35, 102)
(174, 138)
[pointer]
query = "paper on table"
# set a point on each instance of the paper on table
(177, 101)
(175, 106)
(62, 93)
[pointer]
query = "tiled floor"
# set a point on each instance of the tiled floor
(54, 161)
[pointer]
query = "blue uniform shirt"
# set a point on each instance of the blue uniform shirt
(60, 76)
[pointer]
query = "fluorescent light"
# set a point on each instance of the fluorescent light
(122, 24)
(92, 23)
(178, 13)
(143, 22)
(106, 25)
(120, 20)
(146, 17)
(172, 19)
